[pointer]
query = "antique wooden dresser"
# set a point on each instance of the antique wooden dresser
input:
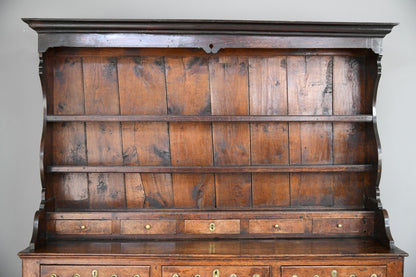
(210, 149)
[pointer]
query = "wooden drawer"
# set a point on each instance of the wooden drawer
(351, 226)
(94, 271)
(227, 226)
(75, 227)
(278, 226)
(216, 271)
(151, 227)
(334, 271)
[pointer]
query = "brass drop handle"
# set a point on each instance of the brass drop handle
(114, 275)
(175, 275)
(316, 275)
(294, 275)
(256, 275)
(212, 229)
(233, 275)
(215, 273)
(353, 275)
(148, 226)
(76, 275)
(339, 225)
(94, 273)
(197, 275)
(276, 226)
(53, 275)
(136, 275)
(334, 273)
(373, 275)
(83, 227)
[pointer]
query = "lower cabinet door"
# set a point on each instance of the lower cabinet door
(215, 271)
(93, 271)
(334, 271)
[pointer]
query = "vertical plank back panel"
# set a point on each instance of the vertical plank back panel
(270, 190)
(269, 141)
(187, 80)
(349, 86)
(106, 190)
(310, 93)
(231, 141)
(142, 91)
(349, 98)
(68, 138)
(142, 85)
(350, 138)
(230, 83)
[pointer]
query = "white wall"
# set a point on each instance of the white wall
(21, 108)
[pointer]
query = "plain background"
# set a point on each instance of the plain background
(21, 106)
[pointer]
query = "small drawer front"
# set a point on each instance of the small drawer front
(94, 271)
(227, 226)
(276, 226)
(215, 271)
(76, 227)
(151, 227)
(351, 226)
(334, 271)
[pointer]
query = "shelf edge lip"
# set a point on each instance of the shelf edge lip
(210, 169)
(212, 118)
(230, 27)
(400, 253)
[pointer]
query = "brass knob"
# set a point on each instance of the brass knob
(334, 273)
(175, 275)
(94, 273)
(136, 275)
(212, 227)
(233, 275)
(76, 275)
(197, 275)
(114, 275)
(316, 275)
(256, 275)
(276, 226)
(147, 227)
(339, 225)
(373, 275)
(294, 275)
(353, 275)
(53, 275)
(83, 227)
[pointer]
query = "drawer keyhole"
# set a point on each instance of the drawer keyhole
(212, 229)
(216, 273)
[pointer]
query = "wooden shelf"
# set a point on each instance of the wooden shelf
(355, 247)
(213, 169)
(212, 118)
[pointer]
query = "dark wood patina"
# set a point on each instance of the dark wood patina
(233, 148)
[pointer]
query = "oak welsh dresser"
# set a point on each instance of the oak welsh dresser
(210, 149)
